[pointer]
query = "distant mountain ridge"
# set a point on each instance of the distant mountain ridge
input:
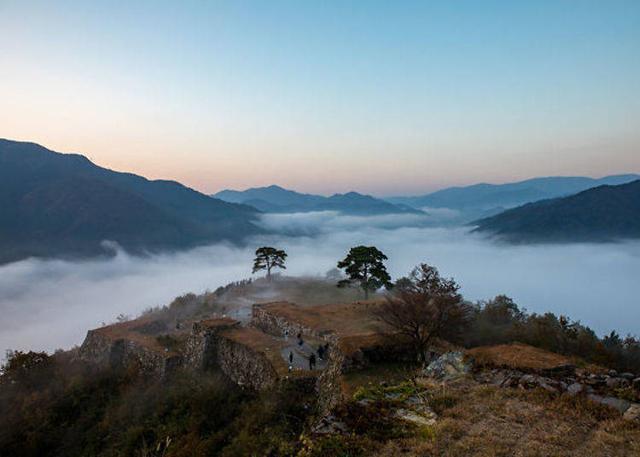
(275, 199)
(604, 213)
(481, 200)
(57, 204)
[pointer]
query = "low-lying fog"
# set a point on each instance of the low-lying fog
(51, 304)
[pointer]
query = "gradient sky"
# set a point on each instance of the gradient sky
(381, 97)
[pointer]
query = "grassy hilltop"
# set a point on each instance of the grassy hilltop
(55, 405)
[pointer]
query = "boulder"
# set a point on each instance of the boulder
(559, 371)
(636, 383)
(617, 403)
(613, 402)
(329, 424)
(511, 380)
(575, 389)
(616, 383)
(628, 376)
(530, 381)
(448, 366)
(415, 418)
(632, 413)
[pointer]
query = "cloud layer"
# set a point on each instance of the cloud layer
(48, 304)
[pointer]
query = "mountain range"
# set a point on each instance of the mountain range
(604, 213)
(64, 205)
(483, 200)
(57, 204)
(275, 199)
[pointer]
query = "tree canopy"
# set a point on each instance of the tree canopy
(425, 306)
(268, 258)
(364, 266)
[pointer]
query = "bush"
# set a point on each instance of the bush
(58, 405)
(500, 321)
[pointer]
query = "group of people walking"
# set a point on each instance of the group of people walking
(322, 352)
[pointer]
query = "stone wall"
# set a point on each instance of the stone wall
(214, 344)
(345, 353)
(100, 348)
(328, 384)
(201, 346)
(249, 356)
(244, 366)
(277, 325)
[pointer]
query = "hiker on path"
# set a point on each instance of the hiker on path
(321, 352)
(290, 357)
(300, 341)
(312, 361)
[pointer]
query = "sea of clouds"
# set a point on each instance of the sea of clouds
(49, 304)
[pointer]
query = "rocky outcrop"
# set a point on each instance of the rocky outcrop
(598, 388)
(448, 366)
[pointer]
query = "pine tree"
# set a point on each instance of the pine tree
(364, 265)
(268, 258)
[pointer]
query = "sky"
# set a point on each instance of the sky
(385, 98)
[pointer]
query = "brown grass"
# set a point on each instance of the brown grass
(345, 319)
(392, 373)
(306, 291)
(127, 331)
(490, 421)
(517, 356)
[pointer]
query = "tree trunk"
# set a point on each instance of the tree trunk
(366, 283)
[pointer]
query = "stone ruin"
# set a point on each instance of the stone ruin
(256, 354)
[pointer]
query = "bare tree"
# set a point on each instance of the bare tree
(425, 306)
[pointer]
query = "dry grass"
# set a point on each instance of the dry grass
(218, 322)
(128, 331)
(517, 356)
(345, 319)
(490, 421)
(392, 373)
(306, 291)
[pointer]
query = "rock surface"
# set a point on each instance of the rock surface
(448, 366)
(633, 412)
(415, 418)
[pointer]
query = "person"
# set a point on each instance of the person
(300, 341)
(312, 361)
(286, 334)
(290, 357)
(320, 352)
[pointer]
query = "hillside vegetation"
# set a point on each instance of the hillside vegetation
(490, 199)
(60, 405)
(605, 213)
